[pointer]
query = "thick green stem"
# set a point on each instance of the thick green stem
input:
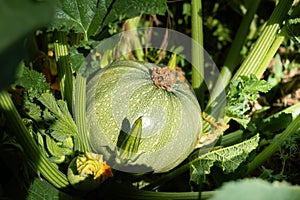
(270, 54)
(124, 192)
(197, 50)
(233, 56)
(80, 114)
(63, 66)
(274, 146)
(79, 111)
(66, 84)
(252, 64)
(30, 147)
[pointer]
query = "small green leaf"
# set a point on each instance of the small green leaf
(33, 82)
(228, 158)
(241, 93)
(64, 126)
(33, 110)
(274, 79)
(172, 62)
(58, 149)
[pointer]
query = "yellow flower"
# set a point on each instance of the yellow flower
(93, 164)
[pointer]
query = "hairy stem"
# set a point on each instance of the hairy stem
(252, 64)
(80, 114)
(197, 51)
(63, 67)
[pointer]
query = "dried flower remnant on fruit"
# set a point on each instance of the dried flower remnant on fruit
(165, 77)
(93, 164)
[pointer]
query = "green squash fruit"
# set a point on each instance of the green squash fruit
(126, 91)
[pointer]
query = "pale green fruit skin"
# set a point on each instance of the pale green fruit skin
(123, 92)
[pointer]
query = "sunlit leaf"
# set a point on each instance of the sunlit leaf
(58, 149)
(228, 158)
(64, 126)
(241, 93)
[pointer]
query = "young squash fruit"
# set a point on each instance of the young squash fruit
(152, 108)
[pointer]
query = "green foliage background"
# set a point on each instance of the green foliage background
(242, 37)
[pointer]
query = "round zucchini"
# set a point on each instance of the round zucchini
(127, 91)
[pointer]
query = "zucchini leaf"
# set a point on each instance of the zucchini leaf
(76, 58)
(42, 190)
(34, 84)
(241, 93)
(32, 81)
(59, 150)
(33, 15)
(274, 123)
(248, 189)
(17, 20)
(90, 16)
(64, 126)
(228, 158)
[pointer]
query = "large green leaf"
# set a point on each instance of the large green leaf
(17, 20)
(257, 189)
(42, 190)
(90, 16)
(274, 123)
(228, 158)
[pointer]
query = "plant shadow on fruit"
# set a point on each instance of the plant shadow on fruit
(126, 164)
